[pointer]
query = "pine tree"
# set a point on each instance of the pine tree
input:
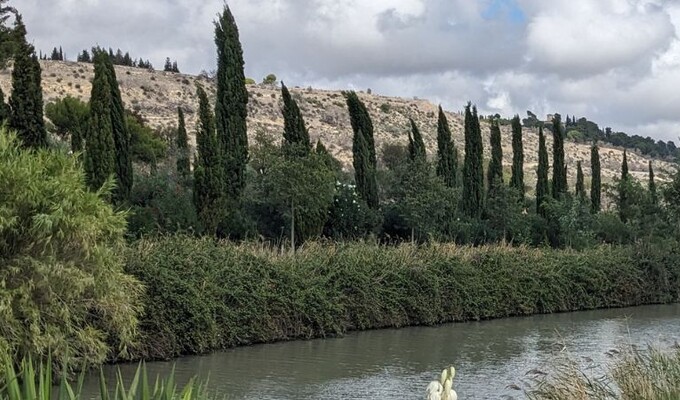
(100, 151)
(363, 150)
(596, 180)
(175, 68)
(168, 65)
(231, 106)
(182, 143)
(495, 171)
(416, 146)
(55, 55)
(580, 184)
(295, 134)
(121, 138)
(84, 57)
(653, 197)
(517, 179)
(542, 190)
(559, 183)
(208, 166)
(447, 157)
(473, 175)
(26, 101)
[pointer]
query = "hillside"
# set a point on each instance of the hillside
(156, 95)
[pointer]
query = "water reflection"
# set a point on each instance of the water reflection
(398, 364)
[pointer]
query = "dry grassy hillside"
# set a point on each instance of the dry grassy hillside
(156, 95)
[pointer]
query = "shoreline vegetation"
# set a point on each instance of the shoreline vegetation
(204, 295)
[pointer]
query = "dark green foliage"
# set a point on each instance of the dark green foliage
(416, 146)
(542, 188)
(596, 180)
(363, 150)
(394, 155)
(580, 184)
(61, 252)
(182, 144)
(517, 179)
(100, 151)
(145, 145)
(26, 101)
(84, 57)
(624, 186)
(495, 172)
(7, 39)
(559, 179)
(231, 105)
(421, 204)
(4, 109)
(653, 197)
(121, 137)
(504, 216)
(349, 217)
(161, 204)
(473, 175)
(333, 163)
(203, 295)
(170, 66)
(447, 155)
(295, 134)
(69, 116)
(208, 166)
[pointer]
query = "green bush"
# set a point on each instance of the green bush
(205, 295)
(62, 286)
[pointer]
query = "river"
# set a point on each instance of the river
(489, 356)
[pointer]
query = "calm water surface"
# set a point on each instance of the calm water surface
(398, 364)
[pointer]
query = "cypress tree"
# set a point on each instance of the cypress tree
(542, 190)
(231, 106)
(295, 134)
(596, 180)
(26, 101)
(100, 151)
(653, 197)
(4, 108)
(559, 183)
(623, 189)
(182, 143)
(580, 184)
(208, 167)
(416, 146)
(495, 171)
(363, 150)
(121, 137)
(517, 179)
(447, 157)
(473, 174)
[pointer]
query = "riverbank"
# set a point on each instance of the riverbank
(203, 296)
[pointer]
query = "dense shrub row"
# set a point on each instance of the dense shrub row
(204, 295)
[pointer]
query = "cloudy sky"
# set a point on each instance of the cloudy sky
(616, 62)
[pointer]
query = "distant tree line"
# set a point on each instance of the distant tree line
(117, 58)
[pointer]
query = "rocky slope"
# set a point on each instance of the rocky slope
(156, 95)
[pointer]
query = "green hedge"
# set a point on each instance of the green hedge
(203, 295)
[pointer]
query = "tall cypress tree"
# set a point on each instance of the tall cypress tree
(447, 156)
(4, 108)
(542, 189)
(363, 150)
(596, 180)
(624, 195)
(473, 174)
(559, 183)
(121, 137)
(416, 146)
(653, 197)
(580, 184)
(26, 101)
(100, 150)
(231, 106)
(495, 172)
(208, 166)
(295, 134)
(182, 143)
(517, 179)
